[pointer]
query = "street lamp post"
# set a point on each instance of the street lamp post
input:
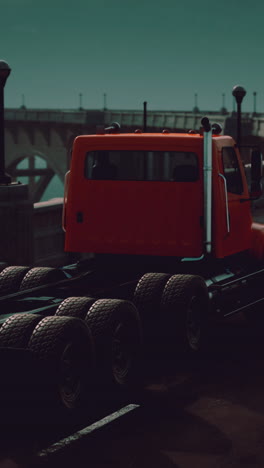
(254, 103)
(5, 70)
(80, 98)
(145, 116)
(239, 93)
(196, 108)
(16, 209)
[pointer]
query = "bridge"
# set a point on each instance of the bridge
(48, 134)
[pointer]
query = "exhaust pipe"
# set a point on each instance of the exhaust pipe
(207, 171)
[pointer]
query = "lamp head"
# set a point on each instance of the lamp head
(239, 92)
(4, 72)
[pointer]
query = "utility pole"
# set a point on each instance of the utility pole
(145, 116)
(254, 102)
(80, 101)
(196, 108)
(16, 209)
(223, 109)
(23, 102)
(105, 104)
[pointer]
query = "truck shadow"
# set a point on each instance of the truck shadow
(163, 427)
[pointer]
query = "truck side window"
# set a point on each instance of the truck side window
(232, 171)
(183, 167)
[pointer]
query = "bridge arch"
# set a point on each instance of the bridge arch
(28, 140)
(35, 169)
(48, 133)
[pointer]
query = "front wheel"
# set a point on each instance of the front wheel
(185, 305)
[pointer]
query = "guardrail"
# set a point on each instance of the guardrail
(41, 115)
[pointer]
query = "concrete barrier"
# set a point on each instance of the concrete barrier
(16, 233)
(48, 234)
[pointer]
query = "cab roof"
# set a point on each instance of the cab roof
(147, 139)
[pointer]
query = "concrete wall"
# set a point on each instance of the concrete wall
(31, 234)
(16, 233)
(48, 234)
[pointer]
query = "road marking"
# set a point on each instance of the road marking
(63, 443)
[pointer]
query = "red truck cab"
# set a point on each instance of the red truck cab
(143, 194)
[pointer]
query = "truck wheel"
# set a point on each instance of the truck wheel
(75, 307)
(11, 278)
(39, 276)
(185, 306)
(3, 265)
(147, 298)
(116, 329)
(65, 347)
(148, 293)
(17, 330)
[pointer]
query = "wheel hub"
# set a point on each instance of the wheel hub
(194, 325)
(70, 376)
(121, 358)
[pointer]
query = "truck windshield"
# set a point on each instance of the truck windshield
(142, 165)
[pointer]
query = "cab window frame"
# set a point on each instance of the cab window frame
(232, 171)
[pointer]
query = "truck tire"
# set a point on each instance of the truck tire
(185, 308)
(117, 334)
(17, 330)
(147, 298)
(148, 293)
(75, 307)
(65, 347)
(11, 278)
(39, 276)
(3, 265)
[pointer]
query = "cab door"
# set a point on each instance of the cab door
(237, 237)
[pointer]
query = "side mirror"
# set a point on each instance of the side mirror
(256, 174)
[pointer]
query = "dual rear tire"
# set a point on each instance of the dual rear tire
(20, 278)
(185, 306)
(174, 310)
(116, 329)
(62, 354)
(91, 343)
(65, 348)
(117, 334)
(11, 278)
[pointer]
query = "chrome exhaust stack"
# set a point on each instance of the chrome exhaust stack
(207, 171)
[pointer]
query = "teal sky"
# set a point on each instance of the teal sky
(159, 51)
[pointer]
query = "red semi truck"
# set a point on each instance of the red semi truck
(167, 217)
(161, 194)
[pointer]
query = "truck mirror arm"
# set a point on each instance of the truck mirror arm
(226, 202)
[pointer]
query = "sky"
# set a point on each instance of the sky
(162, 52)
